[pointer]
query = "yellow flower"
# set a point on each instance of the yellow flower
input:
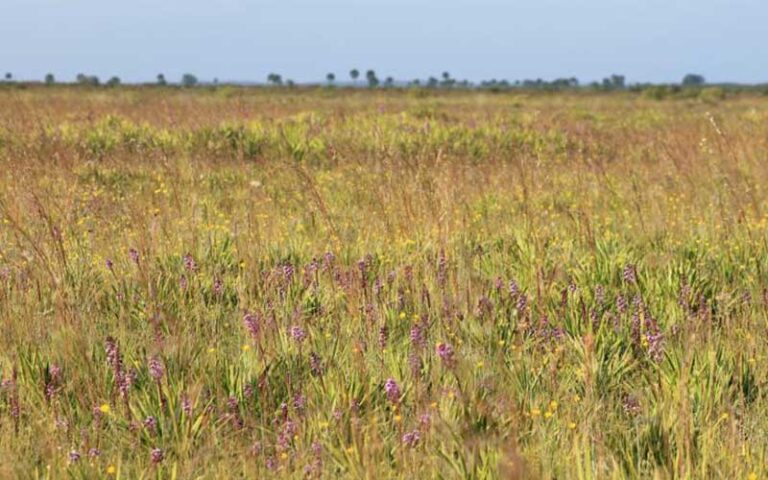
(211, 350)
(752, 476)
(398, 418)
(246, 348)
(104, 408)
(572, 425)
(535, 412)
(111, 470)
(402, 315)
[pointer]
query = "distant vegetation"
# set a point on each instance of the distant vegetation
(691, 85)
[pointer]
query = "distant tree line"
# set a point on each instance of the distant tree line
(690, 83)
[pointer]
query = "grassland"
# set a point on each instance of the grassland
(327, 284)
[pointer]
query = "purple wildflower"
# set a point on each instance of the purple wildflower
(251, 323)
(218, 286)
(417, 336)
(186, 405)
(189, 263)
(383, 336)
(150, 423)
(630, 274)
(156, 456)
(156, 369)
(133, 254)
(298, 333)
(315, 364)
(414, 362)
(411, 439)
(446, 354)
(392, 390)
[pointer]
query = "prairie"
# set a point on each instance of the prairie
(241, 282)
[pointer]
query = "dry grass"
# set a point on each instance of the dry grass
(597, 263)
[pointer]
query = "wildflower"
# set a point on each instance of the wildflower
(189, 263)
(150, 423)
(446, 354)
(251, 323)
(514, 289)
(256, 448)
(522, 302)
(414, 361)
(186, 405)
(417, 336)
(442, 267)
(110, 265)
(111, 470)
(411, 439)
(248, 391)
(315, 364)
(155, 368)
(393, 390)
(299, 402)
(288, 272)
(218, 287)
(74, 456)
(383, 336)
(425, 421)
(245, 348)
(600, 295)
(94, 453)
(298, 333)
(621, 303)
(133, 254)
(156, 456)
(630, 274)
(630, 405)
(104, 408)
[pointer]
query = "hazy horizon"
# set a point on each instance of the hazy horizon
(303, 40)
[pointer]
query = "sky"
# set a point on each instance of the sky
(244, 40)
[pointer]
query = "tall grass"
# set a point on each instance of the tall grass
(381, 285)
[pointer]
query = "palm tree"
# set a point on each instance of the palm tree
(331, 78)
(354, 74)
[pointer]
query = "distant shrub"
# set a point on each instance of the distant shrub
(656, 92)
(712, 94)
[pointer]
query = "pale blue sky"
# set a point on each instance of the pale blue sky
(647, 40)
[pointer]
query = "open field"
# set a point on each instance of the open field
(386, 284)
